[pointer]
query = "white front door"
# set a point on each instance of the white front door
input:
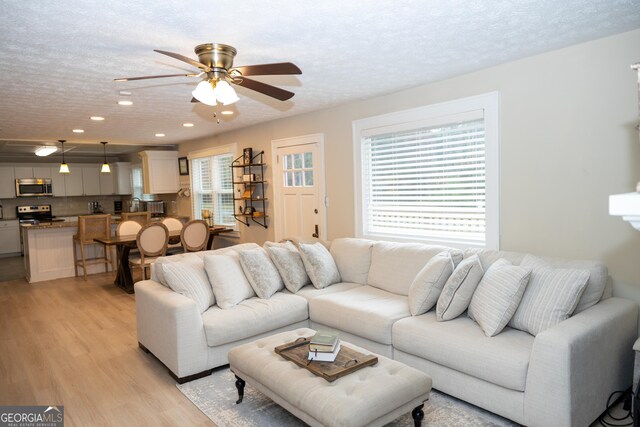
(299, 187)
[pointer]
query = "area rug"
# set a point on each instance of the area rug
(216, 396)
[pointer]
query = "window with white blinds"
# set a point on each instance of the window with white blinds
(427, 179)
(212, 188)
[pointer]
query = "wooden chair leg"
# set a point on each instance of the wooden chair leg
(75, 257)
(84, 261)
(107, 261)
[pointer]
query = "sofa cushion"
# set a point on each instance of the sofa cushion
(353, 258)
(394, 266)
(461, 345)
(156, 272)
(188, 278)
(319, 263)
(426, 287)
(551, 297)
(261, 273)
(364, 311)
(290, 266)
(309, 292)
(457, 292)
(230, 285)
(498, 295)
(253, 316)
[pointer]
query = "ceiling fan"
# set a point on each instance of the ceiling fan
(215, 62)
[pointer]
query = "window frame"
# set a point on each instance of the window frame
(230, 149)
(431, 114)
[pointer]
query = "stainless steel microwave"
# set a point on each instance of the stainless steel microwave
(28, 187)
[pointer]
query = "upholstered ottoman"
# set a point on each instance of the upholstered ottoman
(372, 396)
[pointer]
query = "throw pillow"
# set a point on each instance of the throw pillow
(551, 297)
(290, 266)
(319, 263)
(188, 278)
(498, 295)
(230, 285)
(426, 287)
(287, 244)
(457, 292)
(261, 273)
(595, 285)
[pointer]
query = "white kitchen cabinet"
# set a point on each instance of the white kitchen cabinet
(91, 180)
(57, 182)
(23, 172)
(73, 182)
(42, 172)
(107, 182)
(9, 237)
(7, 182)
(160, 172)
(123, 178)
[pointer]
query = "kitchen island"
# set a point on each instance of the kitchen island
(48, 251)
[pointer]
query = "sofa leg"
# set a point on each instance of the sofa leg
(143, 348)
(182, 380)
(418, 415)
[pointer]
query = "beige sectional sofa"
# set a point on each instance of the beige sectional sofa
(561, 377)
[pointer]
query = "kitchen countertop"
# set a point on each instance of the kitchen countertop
(64, 224)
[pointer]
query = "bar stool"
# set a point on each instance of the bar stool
(142, 217)
(152, 240)
(89, 228)
(195, 236)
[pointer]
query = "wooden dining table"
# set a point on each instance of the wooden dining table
(124, 244)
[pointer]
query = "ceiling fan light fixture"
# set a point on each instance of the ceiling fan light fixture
(105, 165)
(45, 150)
(225, 93)
(205, 93)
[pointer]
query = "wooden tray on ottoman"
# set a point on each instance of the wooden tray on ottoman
(347, 361)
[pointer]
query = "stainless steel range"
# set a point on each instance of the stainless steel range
(34, 214)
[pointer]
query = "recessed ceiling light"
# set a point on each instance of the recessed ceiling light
(227, 112)
(46, 150)
(125, 93)
(97, 118)
(187, 125)
(78, 131)
(125, 103)
(160, 134)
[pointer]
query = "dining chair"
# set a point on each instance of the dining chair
(174, 225)
(89, 228)
(195, 236)
(128, 227)
(152, 241)
(142, 217)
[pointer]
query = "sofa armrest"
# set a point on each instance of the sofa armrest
(578, 363)
(170, 326)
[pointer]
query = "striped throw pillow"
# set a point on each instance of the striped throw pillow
(498, 295)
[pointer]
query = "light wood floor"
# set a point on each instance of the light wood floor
(73, 343)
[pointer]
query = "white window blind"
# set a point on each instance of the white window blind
(212, 188)
(427, 180)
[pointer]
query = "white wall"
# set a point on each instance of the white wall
(567, 142)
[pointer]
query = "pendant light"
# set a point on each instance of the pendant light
(105, 165)
(64, 168)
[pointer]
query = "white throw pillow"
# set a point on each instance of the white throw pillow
(457, 292)
(551, 297)
(426, 287)
(498, 295)
(353, 258)
(261, 273)
(188, 278)
(319, 263)
(290, 266)
(288, 245)
(230, 285)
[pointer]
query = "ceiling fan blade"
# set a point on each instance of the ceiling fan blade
(272, 91)
(183, 58)
(269, 69)
(128, 79)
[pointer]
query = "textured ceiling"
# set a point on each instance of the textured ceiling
(58, 59)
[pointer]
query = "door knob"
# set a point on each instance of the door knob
(316, 234)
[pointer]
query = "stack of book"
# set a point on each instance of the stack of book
(324, 346)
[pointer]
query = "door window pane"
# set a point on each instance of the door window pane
(298, 169)
(308, 178)
(308, 160)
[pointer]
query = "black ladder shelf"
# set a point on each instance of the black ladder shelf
(249, 195)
